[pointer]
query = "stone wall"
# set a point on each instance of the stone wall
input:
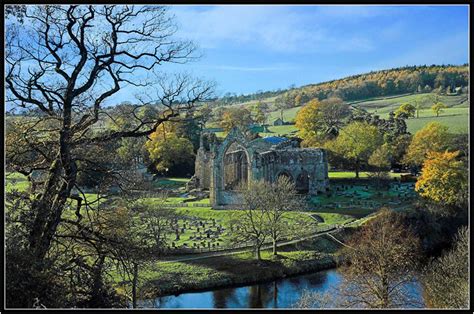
(307, 167)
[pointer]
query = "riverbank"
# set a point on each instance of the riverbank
(174, 278)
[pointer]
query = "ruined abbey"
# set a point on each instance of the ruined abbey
(225, 166)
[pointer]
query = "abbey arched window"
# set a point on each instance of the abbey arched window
(236, 167)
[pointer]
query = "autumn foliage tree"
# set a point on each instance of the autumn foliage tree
(170, 153)
(432, 137)
(236, 117)
(319, 121)
(443, 179)
(438, 108)
(405, 110)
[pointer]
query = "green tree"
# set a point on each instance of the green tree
(170, 152)
(280, 105)
(417, 102)
(356, 142)
(438, 108)
(405, 111)
(380, 159)
(202, 115)
(131, 151)
(260, 111)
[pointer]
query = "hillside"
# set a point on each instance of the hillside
(383, 83)
(456, 116)
(380, 92)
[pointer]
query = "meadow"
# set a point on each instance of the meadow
(456, 116)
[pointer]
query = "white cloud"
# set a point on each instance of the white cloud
(264, 68)
(276, 28)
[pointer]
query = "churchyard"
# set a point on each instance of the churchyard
(197, 228)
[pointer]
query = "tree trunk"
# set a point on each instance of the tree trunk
(274, 246)
(134, 285)
(385, 297)
(357, 168)
(97, 286)
(257, 253)
(49, 205)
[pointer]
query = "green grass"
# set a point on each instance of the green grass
(170, 182)
(172, 277)
(16, 181)
(458, 124)
(456, 117)
(351, 175)
(394, 102)
(288, 115)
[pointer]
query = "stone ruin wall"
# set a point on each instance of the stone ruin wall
(203, 168)
(307, 167)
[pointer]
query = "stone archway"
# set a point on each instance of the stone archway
(231, 169)
(235, 168)
(302, 182)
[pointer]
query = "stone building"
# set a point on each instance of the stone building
(224, 167)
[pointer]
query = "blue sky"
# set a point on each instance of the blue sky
(251, 48)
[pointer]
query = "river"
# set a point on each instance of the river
(281, 293)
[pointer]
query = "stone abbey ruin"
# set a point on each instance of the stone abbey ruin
(224, 167)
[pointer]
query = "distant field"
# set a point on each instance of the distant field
(456, 117)
(396, 101)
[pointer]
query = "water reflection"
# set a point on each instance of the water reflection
(222, 296)
(281, 293)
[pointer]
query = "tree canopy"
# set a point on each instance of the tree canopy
(356, 142)
(432, 137)
(443, 179)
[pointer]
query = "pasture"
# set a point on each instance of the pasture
(456, 116)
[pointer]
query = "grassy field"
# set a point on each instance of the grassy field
(348, 199)
(456, 117)
(394, 102)
(170, 182)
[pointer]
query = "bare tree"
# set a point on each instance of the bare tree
(281, 197)
(265, 213)
(381, 260)
(63, 63)
(446, 279)
(250, 224)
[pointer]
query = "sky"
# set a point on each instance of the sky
(250, 48)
